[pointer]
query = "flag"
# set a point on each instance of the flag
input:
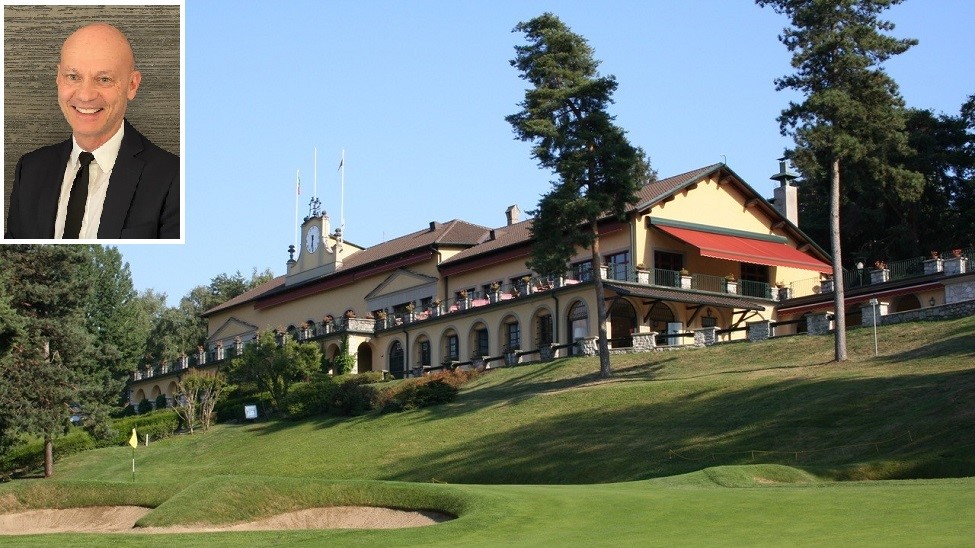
(298, 186)
(134, 440)
(341, 163)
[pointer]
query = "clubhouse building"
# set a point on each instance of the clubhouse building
(700, 258)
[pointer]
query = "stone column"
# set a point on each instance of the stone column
(705, 336)
(644, 341)
(933, 266)
(867, 313)
(589, 346)
(956, 265)
(759, 331)
(818, 323)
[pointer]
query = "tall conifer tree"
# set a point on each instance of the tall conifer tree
(852, 112)
(566, 116)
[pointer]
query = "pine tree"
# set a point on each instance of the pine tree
(598, 172)
(51, 365)
(852, 112)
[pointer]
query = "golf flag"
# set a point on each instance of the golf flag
(134, 440)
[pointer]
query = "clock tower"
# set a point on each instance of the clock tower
(320, 252)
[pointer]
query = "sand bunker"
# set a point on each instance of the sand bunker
(106, 519)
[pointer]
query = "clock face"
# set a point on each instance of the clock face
(313, 239)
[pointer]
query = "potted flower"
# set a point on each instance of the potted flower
(784, 291)
(730, 284)
(463, 300)
(410, 316)
(880, 272)
(685, 279)
(495, 294)
(935, 264)
(435, 307)
(526, 285)
(957, 263)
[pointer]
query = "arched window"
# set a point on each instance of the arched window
(622, 322)
(659, 316)
(578, 321)
(397, 362)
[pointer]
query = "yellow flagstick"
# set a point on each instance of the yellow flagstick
(134, 442)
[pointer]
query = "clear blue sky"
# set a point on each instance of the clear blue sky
(416, 93)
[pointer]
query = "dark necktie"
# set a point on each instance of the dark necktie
(78, 199)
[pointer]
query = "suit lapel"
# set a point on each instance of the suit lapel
(122, 184)
(49, 189)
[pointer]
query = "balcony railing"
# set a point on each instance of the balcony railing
(895, 270)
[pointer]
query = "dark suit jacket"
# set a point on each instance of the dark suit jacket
(142, 199)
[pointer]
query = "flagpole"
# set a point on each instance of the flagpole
(297, 193)
(342, 196)
(315, 194)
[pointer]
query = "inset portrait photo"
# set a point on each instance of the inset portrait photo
(92, 124)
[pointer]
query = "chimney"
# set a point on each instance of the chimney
(433, 226)
(786, 195)
(513, 214)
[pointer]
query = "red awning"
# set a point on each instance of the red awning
(747, 250)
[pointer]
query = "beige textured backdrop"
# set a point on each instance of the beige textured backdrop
(31, 46)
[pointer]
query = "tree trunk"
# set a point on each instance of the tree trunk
(48, 456)
(834, 234)
(605, 371)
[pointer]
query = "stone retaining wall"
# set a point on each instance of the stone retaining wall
(933, 313)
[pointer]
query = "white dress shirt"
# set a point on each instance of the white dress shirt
(99, 172)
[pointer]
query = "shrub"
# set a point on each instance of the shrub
(232, 409)
(145, 406)
(161, 401)
(354, 398)
(158, 424)
(307, 399)
(435, 389)
(30, 454)
(369, 377)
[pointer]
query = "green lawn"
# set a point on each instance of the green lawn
(734, 444)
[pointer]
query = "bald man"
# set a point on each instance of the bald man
(107, 181)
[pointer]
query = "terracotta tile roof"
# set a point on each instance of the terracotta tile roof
(506, 236)
(452, 233)
(657, 190)
(247, 295)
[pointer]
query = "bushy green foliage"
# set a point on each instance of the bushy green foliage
(307, 399)
(369, 377)
(30, 455)
(274, 362)
(341, 395)
(158, 424)
(355, 399)
(145, 406)
(232, 408)
(161, 401)
(427, 391)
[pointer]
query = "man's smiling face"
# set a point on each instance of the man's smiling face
(96, 80)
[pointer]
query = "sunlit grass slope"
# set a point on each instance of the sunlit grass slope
(908, 413)
(731, 445)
